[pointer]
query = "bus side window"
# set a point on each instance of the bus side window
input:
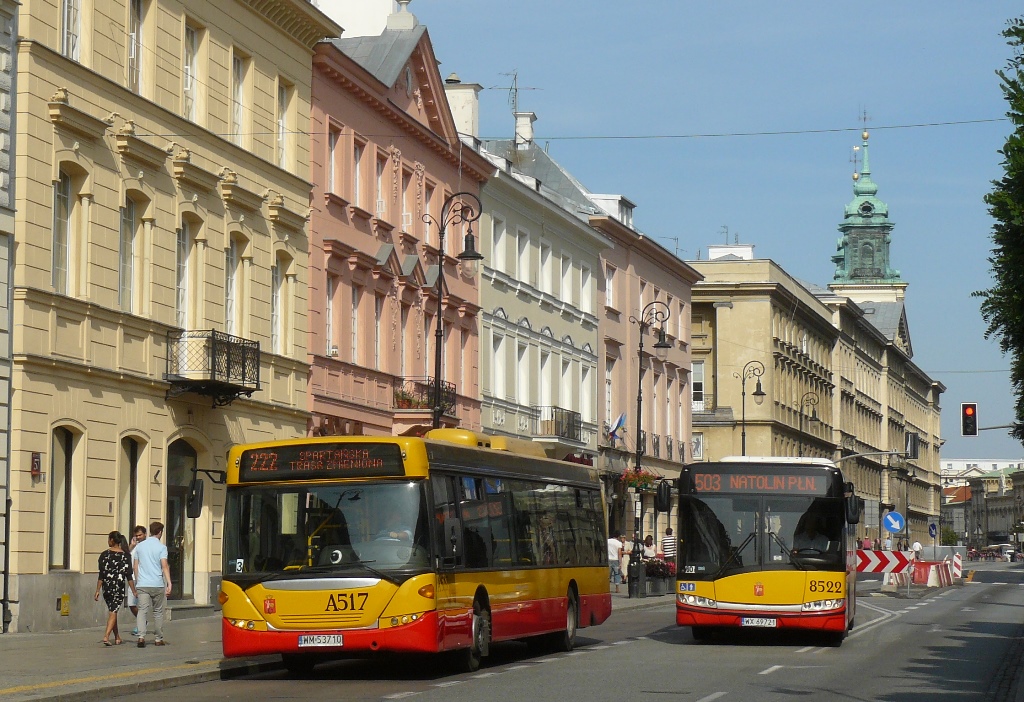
(445, 516)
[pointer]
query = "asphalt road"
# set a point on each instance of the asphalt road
(962, 643)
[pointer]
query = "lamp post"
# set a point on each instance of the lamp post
(810, 398)
(654, 312)
(753, 369)
(454, 211)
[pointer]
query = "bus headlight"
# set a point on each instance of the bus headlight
(821, 605)
(696, 601)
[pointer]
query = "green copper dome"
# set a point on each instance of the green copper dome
(862, 253)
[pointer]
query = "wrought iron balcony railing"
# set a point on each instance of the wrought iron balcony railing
(643, 442)
(656, 445)
(563, 423)
(418, 394)
(212, 363)
(668, 447)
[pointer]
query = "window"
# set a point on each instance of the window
(357, 176)
(380, 209)
(408, 201)
(276, 308)
(697, 386)
(566, 279)
(546, 273)
(378, 331)
(609, 288)
(134, 45)
(126, 267)
(128, 485)
(498, 379)
(71, 20)
(189, 72)
(332, 284)
(523, 255)
(498, 244)
(522, 375)
(565, 389)
(404, 332)
(182, 251)
(609, 374)
(62, 451)
(464, 368)
(239, 65)
(545, 379)
(61, 232)
(587, 394)
(428, 336)
(284, 93)
(357, 294)
(428, 202)
(333, 138)
(586, 290)
(231, 286)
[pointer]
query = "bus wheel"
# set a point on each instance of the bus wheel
(835, 638)
(700, 633)
(481, 646)
(298, 666)
(564, 641)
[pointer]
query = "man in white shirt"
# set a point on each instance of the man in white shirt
(615, 561)
(153, 582)
(917, 550)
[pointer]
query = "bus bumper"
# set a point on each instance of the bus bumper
(815, 621)
(418, 637)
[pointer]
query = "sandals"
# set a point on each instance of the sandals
(118, 642)
(106, 643)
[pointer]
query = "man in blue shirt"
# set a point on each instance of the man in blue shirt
(153, 582)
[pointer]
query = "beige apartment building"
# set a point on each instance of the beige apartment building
(160, 287)
(389, 168)
(786, 368)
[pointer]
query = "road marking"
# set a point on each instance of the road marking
(805, 649)
(484, 675)
(112, 677)
(886, 618)
(447, 684)
(713, 696)
(400, 695)
(769, 671)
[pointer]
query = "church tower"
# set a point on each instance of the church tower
(863, 272)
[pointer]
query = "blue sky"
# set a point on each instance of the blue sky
(672, 70)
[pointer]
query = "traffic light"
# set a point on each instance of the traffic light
(969, 418)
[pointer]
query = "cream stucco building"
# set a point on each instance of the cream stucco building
(160, 284)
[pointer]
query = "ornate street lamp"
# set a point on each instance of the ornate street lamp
(810, 398)
(454, 211)
(753, 369)
(653, 313)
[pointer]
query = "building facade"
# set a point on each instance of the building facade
(160, 292)
(388, 167)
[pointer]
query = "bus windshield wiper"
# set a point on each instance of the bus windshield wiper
(785, 549)
(736, 552)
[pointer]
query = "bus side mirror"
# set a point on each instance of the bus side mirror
(663, 496)
(194, 505)
(854, 505)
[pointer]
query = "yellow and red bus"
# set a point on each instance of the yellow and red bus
(763, 543)
(357, 544)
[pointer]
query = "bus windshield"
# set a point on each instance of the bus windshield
(371, 527)
(725, 534)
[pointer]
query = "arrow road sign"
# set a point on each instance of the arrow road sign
(882, 561)
(894, 522)
(932, 530)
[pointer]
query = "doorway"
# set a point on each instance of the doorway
(181, 531)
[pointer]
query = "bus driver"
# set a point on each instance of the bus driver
(808, 534)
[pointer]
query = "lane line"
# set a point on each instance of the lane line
(769, 671)
(713, 696)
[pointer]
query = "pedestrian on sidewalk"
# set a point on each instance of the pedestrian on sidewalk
(668, 546)
(153, 583)
(138, 536)
(615, 561)
(115, 571)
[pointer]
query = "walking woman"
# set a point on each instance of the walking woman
(115, 568)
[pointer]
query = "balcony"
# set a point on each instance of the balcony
(656, 445)
(418, 394)
(213, 364)
(668, 447)
(560, 423)
(704, 404)
(642, 444)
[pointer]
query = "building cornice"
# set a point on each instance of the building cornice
(298, 18)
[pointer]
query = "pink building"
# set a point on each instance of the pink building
(385, 153)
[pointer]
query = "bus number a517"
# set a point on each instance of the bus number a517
(346, 602)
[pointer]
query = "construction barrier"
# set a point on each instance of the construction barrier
(898, 579)
(957, 570)
(932, 574)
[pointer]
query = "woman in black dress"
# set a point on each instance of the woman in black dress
(115, 568)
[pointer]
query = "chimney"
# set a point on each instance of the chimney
(464, 101)
(524, 129)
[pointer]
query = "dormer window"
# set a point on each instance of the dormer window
(866, 209)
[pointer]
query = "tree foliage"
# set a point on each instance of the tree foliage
(1002, 305)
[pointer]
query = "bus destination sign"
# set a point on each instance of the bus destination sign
(749, 482)
(321, 460)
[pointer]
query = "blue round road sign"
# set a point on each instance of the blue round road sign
(894, 522)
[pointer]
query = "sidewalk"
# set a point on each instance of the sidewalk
(74, 665)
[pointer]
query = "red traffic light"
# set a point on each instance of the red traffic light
(969, 419)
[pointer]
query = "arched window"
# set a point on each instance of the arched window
(62, 447)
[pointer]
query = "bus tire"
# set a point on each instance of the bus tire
(298, 665)
(480, 648)
(564, 641)
(701, 633)
(835, 638)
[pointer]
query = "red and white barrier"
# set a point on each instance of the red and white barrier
(957, 570)
(870, 561)
(932, 574)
